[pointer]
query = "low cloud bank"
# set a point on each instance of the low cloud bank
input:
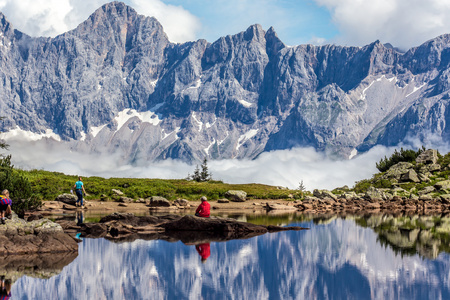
(282, 168)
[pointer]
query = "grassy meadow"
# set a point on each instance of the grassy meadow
(48, 185)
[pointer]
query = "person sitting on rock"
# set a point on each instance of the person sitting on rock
(203, 210)
(5, 206)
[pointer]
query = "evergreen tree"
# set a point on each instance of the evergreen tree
(205, 175)
(301, 186)
(196, 175)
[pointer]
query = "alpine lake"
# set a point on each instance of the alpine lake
(377, 256)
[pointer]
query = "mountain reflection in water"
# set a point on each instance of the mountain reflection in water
(338, 258)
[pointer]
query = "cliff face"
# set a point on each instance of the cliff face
(117, 83)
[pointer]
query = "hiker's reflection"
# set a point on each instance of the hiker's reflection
(5, 288)
(204, 251)
(80, 218)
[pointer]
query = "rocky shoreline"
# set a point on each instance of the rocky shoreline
(19, 237)
(188, 229)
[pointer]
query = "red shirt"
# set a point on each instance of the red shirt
(203, 209)
(203, 250)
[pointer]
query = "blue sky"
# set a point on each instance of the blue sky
(296, 22)
(403, 23)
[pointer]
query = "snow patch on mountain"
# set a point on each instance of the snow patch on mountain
(96, 129)
(146, 116)
(197, 121)
(415, 89)
(245, 137)
(245, 103)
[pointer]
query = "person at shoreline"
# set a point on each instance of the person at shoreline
(5, 205)
(203, 210)
(79, 190)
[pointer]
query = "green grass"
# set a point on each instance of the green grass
(48, 185)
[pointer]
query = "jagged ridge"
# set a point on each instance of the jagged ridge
(116, 83)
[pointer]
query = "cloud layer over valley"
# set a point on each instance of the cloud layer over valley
(281, 168)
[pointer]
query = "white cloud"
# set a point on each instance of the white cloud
(280, 168)
(403, 23)
(53, 17)
(179, 24)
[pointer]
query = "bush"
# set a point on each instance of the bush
(19, 187)
(362, 186)
(403, 156)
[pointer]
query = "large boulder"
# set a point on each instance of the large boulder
(182, 202)
(375, 194)
(236, 196)
(442, 185)
(427, 157)
(410, 176)
(18, 236)
(427, 190)
(67, 198)
(322, 194)
(397, 170)
(158, 201)
(430, 168)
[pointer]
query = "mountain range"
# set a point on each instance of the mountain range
(116, 83)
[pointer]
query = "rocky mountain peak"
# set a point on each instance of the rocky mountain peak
(5, 25)
(274, 44)
(116, 83)
(255, 32)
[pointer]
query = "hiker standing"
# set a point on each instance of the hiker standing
(79, 190)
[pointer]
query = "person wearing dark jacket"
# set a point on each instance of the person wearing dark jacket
(203, 210)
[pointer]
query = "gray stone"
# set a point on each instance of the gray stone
(117, 192)
(397, 170)
(321, 194)
(430, 168)
(427, 157)
(442, 185)
(375, 194)
(223, 201)
(181, 202)
(427, 190)
(424, 177)
(425, 197)
(67, 198)
(157, 201)
(410, 175)
(125, 200)
(236, 195)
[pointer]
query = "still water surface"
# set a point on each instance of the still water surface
(338, 258)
